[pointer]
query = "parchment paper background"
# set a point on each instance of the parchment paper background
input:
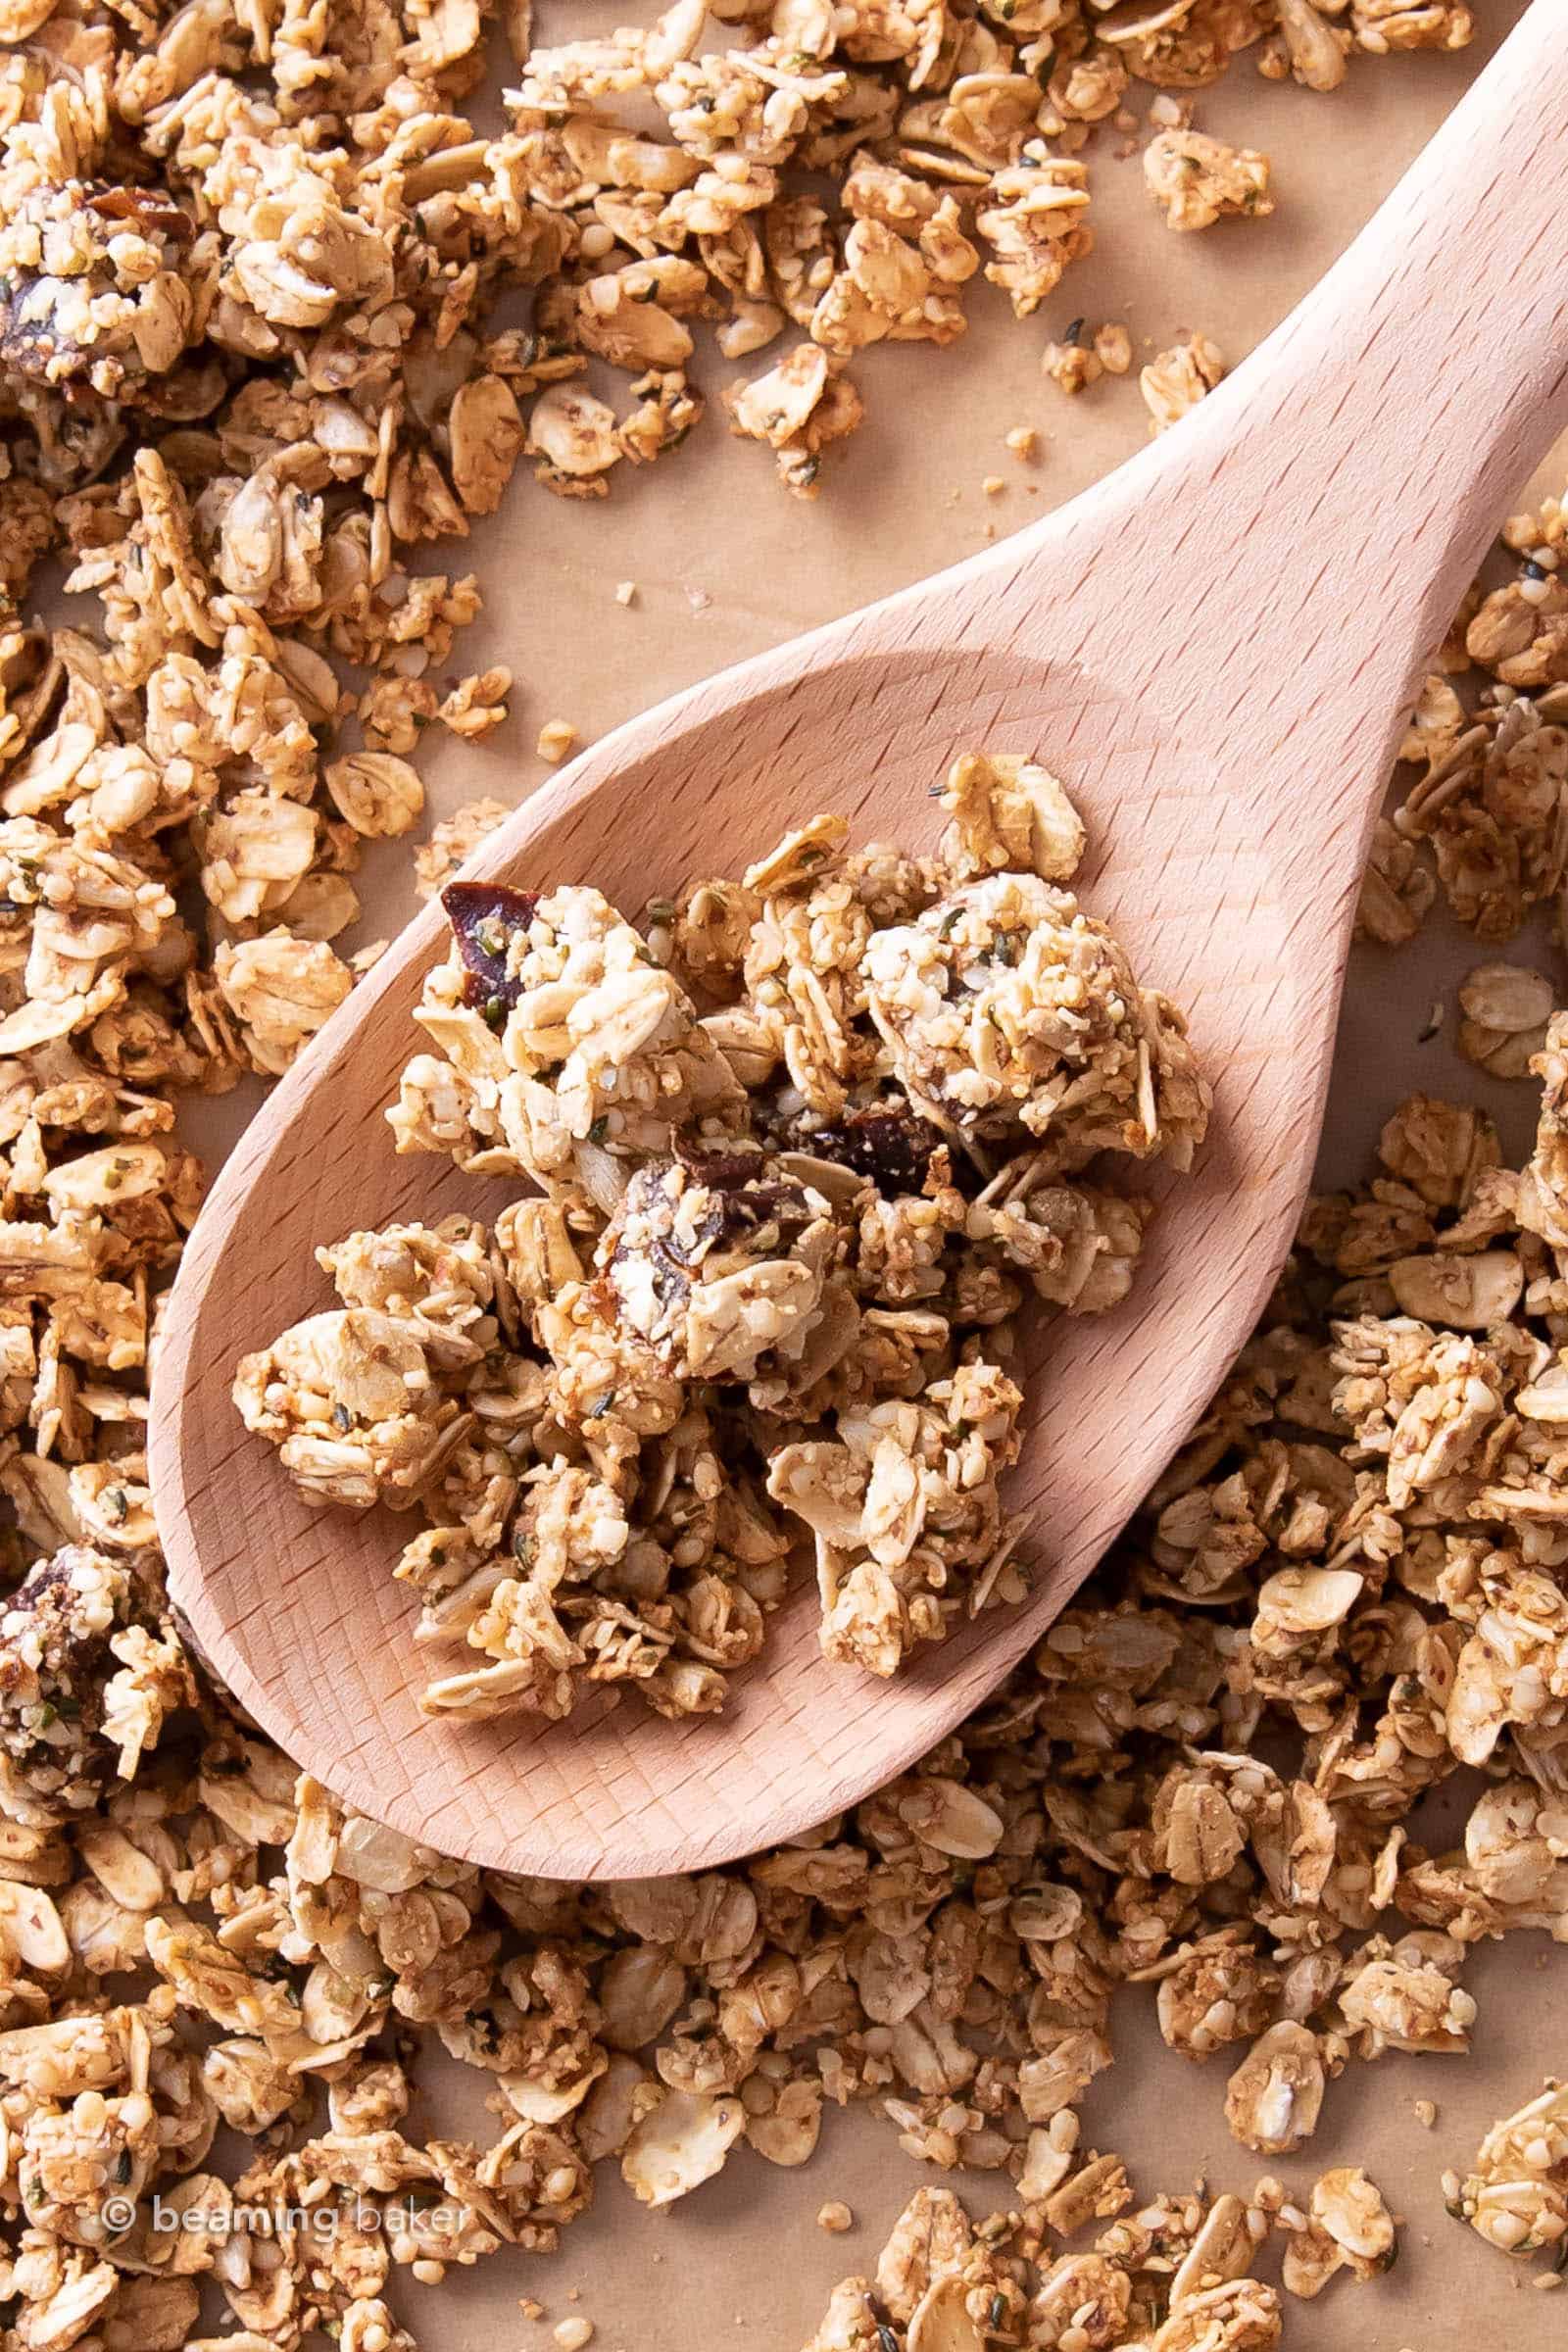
(726, 564)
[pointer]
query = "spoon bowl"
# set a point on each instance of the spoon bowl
(1215, 650)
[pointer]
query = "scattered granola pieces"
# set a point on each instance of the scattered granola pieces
(248, 367)
(768, 1291)
(1479, 819)
(1175, 2276)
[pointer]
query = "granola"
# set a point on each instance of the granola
(766, 1289)
(249, 363)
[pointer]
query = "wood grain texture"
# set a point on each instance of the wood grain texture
(1214, 648)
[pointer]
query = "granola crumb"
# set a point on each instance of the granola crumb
(1024, 442)
(573, 2335)
(557, 737)
(1074, 365)
(992, 485)
(834, 2217)
(625, 591)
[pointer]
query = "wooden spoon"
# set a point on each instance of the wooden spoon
(1215, 648)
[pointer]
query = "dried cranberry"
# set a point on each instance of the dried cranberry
(484, 916)
(888, 1143)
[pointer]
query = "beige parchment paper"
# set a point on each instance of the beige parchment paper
(725, 565)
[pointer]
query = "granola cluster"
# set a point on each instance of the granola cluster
(767, 1285)
(1517, 2196)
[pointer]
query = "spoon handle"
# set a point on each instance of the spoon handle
(1321, 513)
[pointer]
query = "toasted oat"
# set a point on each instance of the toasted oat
(1504, 1009)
